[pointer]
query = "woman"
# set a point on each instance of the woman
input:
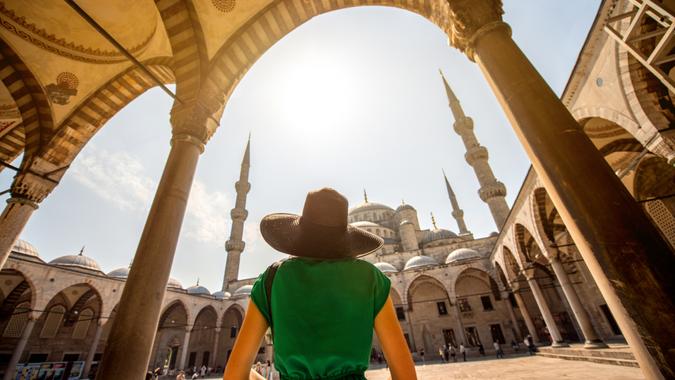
(323, 302)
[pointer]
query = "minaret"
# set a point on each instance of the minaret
(457, 212)
(491, 191)
(235, 245)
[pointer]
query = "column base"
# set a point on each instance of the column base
(598, 343)
(559, 344)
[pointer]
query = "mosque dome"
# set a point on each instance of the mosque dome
(119, 273)
(370, 206)
(405, 207)
(221, 295)
(243, 291)
(173, 283)
(365, 224)
(25, 248)
(462, 254)
(494, 233)
(438, 234)
(198, 290)
(77, 261)
(419, 262)
(386, 267)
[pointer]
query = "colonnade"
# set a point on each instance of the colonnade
(610, 229)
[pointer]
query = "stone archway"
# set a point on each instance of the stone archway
(430, 308)
(202, 338)
(230, 325)
(171, 338)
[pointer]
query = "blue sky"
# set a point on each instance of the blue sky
(351, 107)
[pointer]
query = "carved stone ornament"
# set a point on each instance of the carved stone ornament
(471, 18)
(33, 188)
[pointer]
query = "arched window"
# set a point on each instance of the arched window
(17, 323)
(82, 324)
(53, 321)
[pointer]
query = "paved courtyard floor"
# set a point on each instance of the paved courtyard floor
(522, 367)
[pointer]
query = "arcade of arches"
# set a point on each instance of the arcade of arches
(583, 254)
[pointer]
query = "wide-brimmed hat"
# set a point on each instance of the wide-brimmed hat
(321, 231)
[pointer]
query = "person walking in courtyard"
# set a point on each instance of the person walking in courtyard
(529, 342)
(325, 286)
(440, 353)
(498, 349)
(453, 353)
(446, 352)
(462, 350)
(515, 346)
(181, 375)
(422, 355)
(481, 349)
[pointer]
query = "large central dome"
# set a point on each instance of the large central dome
(370, 206)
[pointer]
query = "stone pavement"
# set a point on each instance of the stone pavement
(522, 367)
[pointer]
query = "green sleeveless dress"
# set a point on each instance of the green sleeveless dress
(323, 313)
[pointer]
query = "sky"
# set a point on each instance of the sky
(353, 108)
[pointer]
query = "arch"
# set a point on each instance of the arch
(82, 324)
(511, 263)
(280, 17)
(474, 279)
(203, 335)
(527, 245)
(52, 322)
(551, 226)
(427, 281)
(654, 187)
(17, 321)
(20, 289)
(28, 94)
(616, 143)
(174, 309)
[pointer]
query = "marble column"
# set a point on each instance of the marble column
(18, 350)
(544, 309)
(591, 337)
(512, 315)
(412, 330)
(630, 261)
(92, 350)
(184, 350)
(526, 315)
(214, 353)
(12, 221)
(460, 325)
(132, 334)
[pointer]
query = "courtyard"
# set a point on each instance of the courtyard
(518, 367)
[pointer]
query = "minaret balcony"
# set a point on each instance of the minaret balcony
(463, 125)
(477, 153)
(239, 214)
(244, 187)
(493, 190)
(235, 245)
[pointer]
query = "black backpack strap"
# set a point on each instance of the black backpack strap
(271, 272)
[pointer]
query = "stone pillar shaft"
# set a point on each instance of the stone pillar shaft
(184, 349)
(18, 350)
(545, 312)
(526, 316)
(12, 221)
(460, 325)
(92, 351)
(214, 353)
(591, 336)
(627, 256)
(135, 325)
(512, 316)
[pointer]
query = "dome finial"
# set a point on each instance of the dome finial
(81, 251)
(433, 221)
(402, 202)
(365, 195)
(197, 281)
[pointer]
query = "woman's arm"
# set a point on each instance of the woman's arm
(393, 343)
(246, 346)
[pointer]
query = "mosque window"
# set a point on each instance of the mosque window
(53, 321)
(442, 309)
(233, 332)
(463, 304)
(487, 303)
(400, 313)
(378, 232)
(82, 324)
(18, 321)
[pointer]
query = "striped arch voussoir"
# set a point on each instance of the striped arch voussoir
(88, 118)
(30, 98)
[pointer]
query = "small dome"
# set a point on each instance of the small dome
(243, 291)
(25, 248)
(364, 224)
(494, 233)
(419, 262)
(438, 234)
(173, 283)
(198, 289)
(77, 261)
(385, 267)
(369, 206)
(119, 273)
(462, 254)
(405, 207)
(221, 295)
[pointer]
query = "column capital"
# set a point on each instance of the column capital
(528, 273)
(195, 119)
(35, 181)
(471, 19)
(217, 329)
(188, 138)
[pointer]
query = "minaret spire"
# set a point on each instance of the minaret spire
(235, 245)
(365, 195)
(457, 212)
(433, 221)
(491, 191)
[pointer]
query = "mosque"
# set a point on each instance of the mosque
(583, 255)
(444, 288)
